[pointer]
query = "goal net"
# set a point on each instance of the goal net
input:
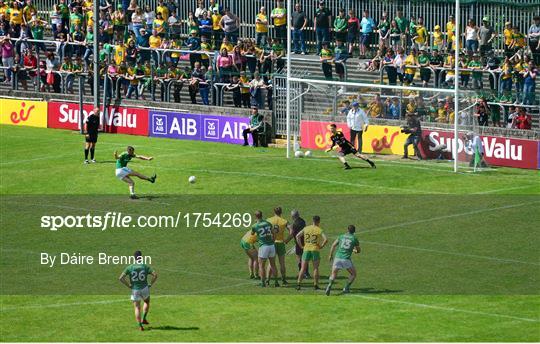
(392, 112)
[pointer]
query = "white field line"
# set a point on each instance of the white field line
(242, 156)
(105, 302)
(505, 189)
(414, 304)
(22, 161)
(505, 260)
(426, 166)
(496, 259)
(445, 309)
(473, 212)
(298, 178)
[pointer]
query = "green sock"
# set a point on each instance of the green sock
(348, 285)
(144, 316)
(330, 282)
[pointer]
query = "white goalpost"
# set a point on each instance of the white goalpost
(454, 92)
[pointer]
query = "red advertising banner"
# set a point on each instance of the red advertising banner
(499, 151)
(121, 120)
(378, 139)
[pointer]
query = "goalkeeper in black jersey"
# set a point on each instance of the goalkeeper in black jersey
(346, 147)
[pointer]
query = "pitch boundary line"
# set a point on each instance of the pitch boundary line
(473, 212)
(446, 309)
(506, 260)
(504, 189)
(105, 302)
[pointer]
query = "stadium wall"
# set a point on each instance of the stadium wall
(186, 124)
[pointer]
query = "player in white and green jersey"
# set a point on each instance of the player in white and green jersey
(135, 277)
(124, 173)
(346, 245)
(267, 250)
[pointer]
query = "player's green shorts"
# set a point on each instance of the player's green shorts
(311, 255)
(280, 248)
(246, 245)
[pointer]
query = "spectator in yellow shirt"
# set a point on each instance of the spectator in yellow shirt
(226, 45)
(217, 32)
(28, 10)
(420, 39)
(159, 24)
(261, 27)
(438, 40)
(507, 33)
(375, 108)
(450, 33)
(518, 39)
(164, 10)
(119, 53)
(410, 63)
(15, 18)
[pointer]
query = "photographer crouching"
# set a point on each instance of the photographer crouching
(414, 129)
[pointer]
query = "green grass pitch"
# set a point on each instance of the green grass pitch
(445, 256)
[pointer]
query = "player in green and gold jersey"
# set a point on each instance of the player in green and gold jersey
(346, 245)
(135, 277)
(280, 225)
(314, 241)
(267, 250)
(124, 173)
(248, 245)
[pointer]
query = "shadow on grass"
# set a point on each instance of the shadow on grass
(173, 328)
(374, 291)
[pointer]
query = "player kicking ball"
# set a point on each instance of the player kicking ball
(346, 147)
(346, 244)
(135, 277)
(124, 173)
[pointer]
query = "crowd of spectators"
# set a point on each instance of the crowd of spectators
(136, 40)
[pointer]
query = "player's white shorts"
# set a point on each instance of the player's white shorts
(267, 251)
(122, 172)
(340, 264)
(140, 294)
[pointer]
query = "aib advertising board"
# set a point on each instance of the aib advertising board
(122, 120)
(186, 126)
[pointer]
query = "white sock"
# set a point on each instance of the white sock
(132, 189)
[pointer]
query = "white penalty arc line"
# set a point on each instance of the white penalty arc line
(505, 260)
(473, 212)
(446, 309)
